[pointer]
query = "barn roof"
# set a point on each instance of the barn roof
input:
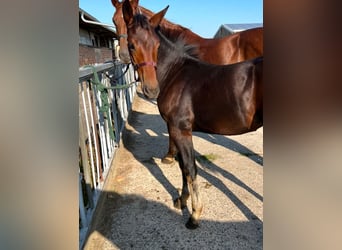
(96, 28)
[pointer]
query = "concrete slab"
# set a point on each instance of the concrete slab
(136, 209)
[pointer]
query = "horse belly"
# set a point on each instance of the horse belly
(227, 125)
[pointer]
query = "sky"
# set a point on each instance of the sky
(203, 17)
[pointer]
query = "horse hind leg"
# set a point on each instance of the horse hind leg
(170, 156)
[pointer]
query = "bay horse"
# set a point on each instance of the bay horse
(234, 48)
(193, 95)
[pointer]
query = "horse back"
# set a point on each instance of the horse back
(238, 47)
(220, 99)
(228, 99)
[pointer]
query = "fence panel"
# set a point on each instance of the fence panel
(106, 93)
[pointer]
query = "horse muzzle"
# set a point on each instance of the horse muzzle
(150, 93)
(124, 56)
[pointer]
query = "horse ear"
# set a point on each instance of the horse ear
(127, 12)
(115, 3)
(158, 17)
(134, 4)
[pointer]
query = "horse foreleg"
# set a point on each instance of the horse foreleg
(181, 201)
(197, 205)
(183, 141)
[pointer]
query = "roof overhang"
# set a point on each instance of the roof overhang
(94, 25)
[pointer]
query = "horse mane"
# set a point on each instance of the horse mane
(168, 26)
(174, 55)
(176, 44)
(140, 20)
(175, 41)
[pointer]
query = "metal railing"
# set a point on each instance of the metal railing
(106, 94)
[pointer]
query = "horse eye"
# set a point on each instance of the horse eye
(130, 46)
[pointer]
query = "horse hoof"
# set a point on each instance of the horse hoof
(191, 225)
(168, 160)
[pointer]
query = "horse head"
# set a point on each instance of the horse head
(143, 44)
(121, 28)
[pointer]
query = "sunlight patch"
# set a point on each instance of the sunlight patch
(150, 132)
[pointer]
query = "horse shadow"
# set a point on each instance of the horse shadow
(143, 124)
(152, 225)
(232, 145)
(132, 222)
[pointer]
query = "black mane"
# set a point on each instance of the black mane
(176, 44)
(140, 20)
(175, 41)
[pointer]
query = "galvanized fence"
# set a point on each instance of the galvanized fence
(106, 93)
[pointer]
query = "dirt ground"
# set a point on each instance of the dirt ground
(136, 207)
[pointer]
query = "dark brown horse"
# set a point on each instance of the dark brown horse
(193, 95)
(237, 47)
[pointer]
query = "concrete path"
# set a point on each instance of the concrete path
(136, 209)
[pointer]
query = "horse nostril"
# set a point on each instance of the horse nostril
(146, 91)
(155, 92)
(151, 93)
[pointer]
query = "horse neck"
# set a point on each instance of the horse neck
(170, 58)
(176, 29)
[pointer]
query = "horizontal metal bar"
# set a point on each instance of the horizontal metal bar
(85, 73)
